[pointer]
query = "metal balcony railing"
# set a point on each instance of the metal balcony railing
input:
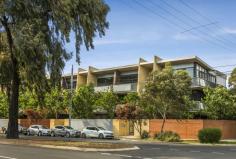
(199, 82)
(129, 87)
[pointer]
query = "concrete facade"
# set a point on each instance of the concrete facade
(132, 78)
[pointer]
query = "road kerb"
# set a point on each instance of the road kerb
(85, 149)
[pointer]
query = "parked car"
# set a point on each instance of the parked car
(39, 130)
(96, 132)
(65, 131)
(21, 130)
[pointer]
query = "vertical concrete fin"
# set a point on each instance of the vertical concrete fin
(142, 60)
(92, 68)
(81, 79)
(91, 78)
(156, 67)
(81, 70)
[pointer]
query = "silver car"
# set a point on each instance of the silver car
(21, 130)
(65, 131)
(96, 132)
(39, 130)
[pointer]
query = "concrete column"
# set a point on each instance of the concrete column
(155, 63)
(81, 79)
(116, 77)
(91, 79)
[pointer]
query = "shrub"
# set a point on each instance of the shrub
(209, 135)
(167, 136)
(145, 134)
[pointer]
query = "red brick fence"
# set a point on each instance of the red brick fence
(188, 129)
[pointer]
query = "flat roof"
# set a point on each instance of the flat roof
(133, 67)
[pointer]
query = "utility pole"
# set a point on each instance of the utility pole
(71, 95)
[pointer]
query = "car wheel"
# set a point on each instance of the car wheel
(28, 133)
(101, 136)
(53, 134)
(83, 135)
(67, 134)
(39, 133)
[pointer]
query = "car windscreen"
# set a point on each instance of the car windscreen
(43, 127)
(101, 128)
(68, 127)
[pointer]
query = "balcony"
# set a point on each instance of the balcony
(102, 88)
(129, 87)
(118, 88)
(199, 82)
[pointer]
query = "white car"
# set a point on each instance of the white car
(96, 132)
(39, 130)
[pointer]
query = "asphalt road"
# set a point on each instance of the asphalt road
(147, 151)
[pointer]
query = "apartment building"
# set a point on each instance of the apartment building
(131, 78)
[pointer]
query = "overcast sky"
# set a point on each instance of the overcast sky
(166, 28)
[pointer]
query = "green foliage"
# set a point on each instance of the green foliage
(145, 135)
(3, 105)
(167, 92)
(41, 30)
(133, 113)
(232, 81)
(107, 102)
(132, 98)
(219, 103)
(84, 102)
(167, 136)
(209, 135)
(57, 102)
(28, 100)
(36, 35)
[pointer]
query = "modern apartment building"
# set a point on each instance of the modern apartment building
(131, 78)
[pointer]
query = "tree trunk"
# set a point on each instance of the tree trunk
(163, 123)
(12, 131)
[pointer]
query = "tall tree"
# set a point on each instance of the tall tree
(219, 103)
(36, 34)
(107, 101)
(57, 102)
(166, 92)
(232, 81)
(84, 102)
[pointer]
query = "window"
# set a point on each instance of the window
(104, 81)
(58, 127)
(204, 74)
(68, 127)
(35, 127)
(132, 78)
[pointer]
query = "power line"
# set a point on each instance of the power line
(186, 23)
(177, 25)
(201, 15)
(200, 26)
(224, 66)
(195, 21)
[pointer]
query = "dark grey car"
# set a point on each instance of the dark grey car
(65, 131)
